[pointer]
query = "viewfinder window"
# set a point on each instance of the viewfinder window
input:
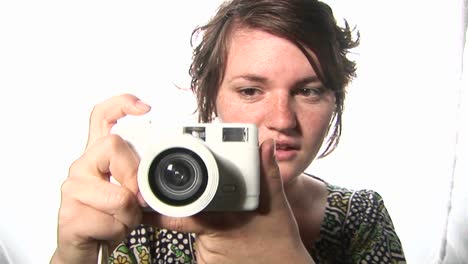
(235, 134)
(198, 132)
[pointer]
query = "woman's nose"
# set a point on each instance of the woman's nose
(281, 115)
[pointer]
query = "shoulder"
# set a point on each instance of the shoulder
(366, 207)
(366, 213)
(366, 217)
(368, 230)
(357, 227)
(355, 209)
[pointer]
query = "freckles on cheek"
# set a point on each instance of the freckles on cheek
(233, 113)
(230, 111)
(225, 109)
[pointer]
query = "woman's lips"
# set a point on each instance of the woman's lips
(285, 152)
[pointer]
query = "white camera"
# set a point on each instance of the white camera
(202, 167)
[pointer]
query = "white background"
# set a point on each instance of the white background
(59, 58)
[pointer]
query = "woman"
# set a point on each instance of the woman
(282, 65)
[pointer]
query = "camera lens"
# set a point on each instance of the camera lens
(178, 176)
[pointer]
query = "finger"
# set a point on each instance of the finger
(90, 224)
(105, 197)
(201, 223)
(105, 115)
(109, 156)
(180, 224)
(271, 187)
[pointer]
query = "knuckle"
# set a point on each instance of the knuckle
(74, 168)
(66, 187)
(127, 96)
(114, 142)
(68, 208)
(100, 110)
(176, 224)
(67, 214)
(121, 199)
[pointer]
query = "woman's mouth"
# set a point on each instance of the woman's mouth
(286, 151)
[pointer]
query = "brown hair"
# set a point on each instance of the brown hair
(309, 24)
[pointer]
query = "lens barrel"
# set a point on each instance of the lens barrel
(177, 176)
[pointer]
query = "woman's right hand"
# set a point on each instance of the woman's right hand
(94, 210)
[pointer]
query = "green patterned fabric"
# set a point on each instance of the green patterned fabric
(356, 229)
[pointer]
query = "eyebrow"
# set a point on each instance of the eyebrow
(249, 77)
(307, 80)
(263, 80)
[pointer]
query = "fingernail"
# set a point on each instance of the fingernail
(142, 106)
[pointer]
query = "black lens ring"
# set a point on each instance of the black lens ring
(155, 186)
(179, 175)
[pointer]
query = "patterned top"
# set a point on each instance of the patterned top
(356, 229)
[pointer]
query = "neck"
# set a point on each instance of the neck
(308, 199)
(294, 191)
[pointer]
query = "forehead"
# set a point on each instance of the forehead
(257, 48)
(243, 38)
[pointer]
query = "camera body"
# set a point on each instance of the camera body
(199, 167)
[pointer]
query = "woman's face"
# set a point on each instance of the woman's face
(268, 81)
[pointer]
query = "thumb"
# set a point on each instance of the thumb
(271, 184)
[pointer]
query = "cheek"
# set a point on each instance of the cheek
(313, 127)
(230, 111)
(318, 121)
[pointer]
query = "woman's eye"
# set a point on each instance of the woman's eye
(308, 92)
(249, 91)
(311, 95)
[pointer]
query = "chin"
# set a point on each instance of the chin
(288, 174)
(292, 169)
